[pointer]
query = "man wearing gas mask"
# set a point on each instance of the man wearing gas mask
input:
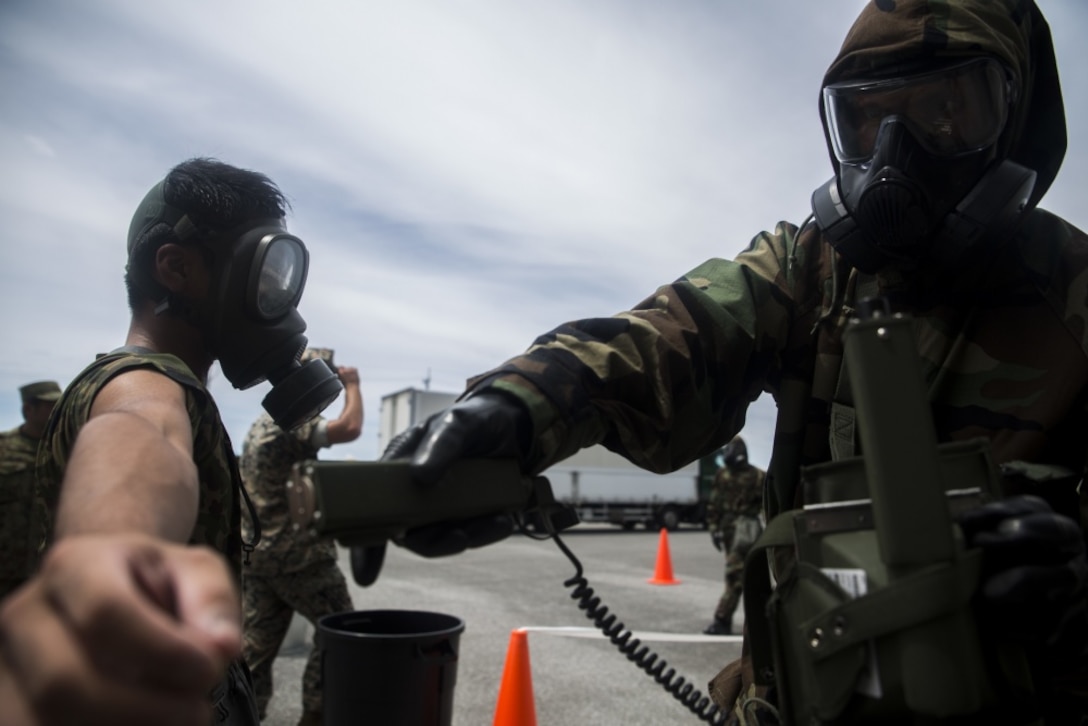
(733, 512)
(945, 127)
(133, 616)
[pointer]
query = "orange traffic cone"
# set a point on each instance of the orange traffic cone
(663, 570)
(515, 706)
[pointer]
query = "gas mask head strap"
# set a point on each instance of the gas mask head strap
(155, 219)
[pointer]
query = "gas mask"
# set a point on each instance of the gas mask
(919, 179)
(250, 319)
(254, 327)
(736, 454)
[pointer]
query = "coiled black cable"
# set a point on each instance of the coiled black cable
(654, 666)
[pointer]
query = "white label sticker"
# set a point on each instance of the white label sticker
(853, 581)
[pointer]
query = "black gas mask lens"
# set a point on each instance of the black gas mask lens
(952, 111)
(278, 276)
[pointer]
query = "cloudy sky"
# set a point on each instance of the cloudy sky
(466, 173)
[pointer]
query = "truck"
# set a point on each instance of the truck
(600, 485)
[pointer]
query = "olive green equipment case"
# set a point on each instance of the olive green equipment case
(871, 621)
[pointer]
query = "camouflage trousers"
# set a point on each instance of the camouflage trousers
(744, 533)
(269, 602)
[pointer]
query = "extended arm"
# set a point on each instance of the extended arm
(131, 468)
(666, 382)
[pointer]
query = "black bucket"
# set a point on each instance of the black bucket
(389, 667)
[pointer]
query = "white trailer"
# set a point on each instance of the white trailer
(599, 484)
(406, 408)
(604, 487)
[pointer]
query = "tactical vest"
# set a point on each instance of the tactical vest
(219, 514)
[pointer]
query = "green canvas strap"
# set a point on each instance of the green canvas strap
(842, 433)
(924, 595)
(908, 601)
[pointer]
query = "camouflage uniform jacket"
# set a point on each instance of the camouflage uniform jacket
(217, 524)
(734, 493)
(17, 455)
(268, 454)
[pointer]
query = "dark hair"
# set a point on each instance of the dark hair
(216, 197)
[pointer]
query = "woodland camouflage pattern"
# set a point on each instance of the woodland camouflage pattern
(17, 456)
(1004, 342)
(733, 508)
(217, 523)
(735, 492)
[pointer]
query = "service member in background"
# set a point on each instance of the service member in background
(134, 615)
(945, 127)
(18, 449)
(291, 570)
(734, 518)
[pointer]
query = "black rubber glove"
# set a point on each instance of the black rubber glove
(487, 425)
(1035, 574)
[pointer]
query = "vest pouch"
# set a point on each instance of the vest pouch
(827, 688)
(844, 640)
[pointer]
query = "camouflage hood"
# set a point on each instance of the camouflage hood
(895, 33)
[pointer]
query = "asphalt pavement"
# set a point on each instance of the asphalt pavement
(576, 677)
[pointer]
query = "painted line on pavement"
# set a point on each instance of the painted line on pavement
(644, 636)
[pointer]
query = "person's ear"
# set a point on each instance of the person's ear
(174, 267)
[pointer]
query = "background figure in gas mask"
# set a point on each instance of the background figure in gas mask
(135, 610)
(945, 127)
(733, 516)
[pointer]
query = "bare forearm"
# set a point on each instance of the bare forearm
(349, 425)
(125, 476)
